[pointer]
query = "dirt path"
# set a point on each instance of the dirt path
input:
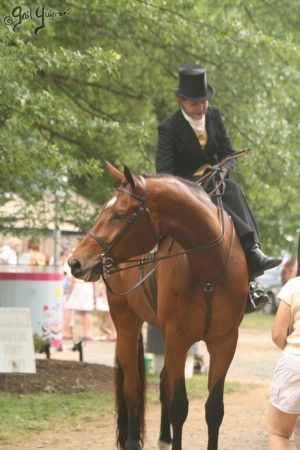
(244, 424)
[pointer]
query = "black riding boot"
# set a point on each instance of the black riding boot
(258, 262)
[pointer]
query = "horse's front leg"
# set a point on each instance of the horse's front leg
(178, 406)
(178, 412)
(129, 379)
(221, 355)
(214, 413)
(165, 439)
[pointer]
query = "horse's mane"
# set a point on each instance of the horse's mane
(194, 188)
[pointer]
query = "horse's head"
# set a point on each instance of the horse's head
(123, 229)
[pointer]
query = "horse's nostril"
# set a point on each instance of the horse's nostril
(75, 265)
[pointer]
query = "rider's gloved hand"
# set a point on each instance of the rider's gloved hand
(220, 172)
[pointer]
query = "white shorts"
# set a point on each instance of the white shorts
(285, 387)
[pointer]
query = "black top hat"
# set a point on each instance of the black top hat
(192, 83)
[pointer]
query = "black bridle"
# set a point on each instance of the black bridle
(107, 260)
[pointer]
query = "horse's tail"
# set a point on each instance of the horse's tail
(121, 408)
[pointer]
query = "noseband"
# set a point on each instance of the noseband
(107, 260)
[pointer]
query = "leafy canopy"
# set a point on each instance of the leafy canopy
(94, 83)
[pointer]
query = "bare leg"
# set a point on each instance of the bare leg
(67, 329)
(104, 323)
(280, 428)
(113, 333)
(297, 433)
(87, 321)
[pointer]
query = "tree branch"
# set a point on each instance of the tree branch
(122, 93)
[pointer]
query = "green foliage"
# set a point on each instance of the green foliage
(39, 343)
(93, 85)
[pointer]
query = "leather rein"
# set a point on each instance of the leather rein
(108, 261)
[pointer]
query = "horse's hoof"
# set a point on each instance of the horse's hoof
(163, 445)
(133, 447)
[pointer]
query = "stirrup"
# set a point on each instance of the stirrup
(257, 297)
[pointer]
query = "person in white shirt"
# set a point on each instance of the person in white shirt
(9, 252)
(284, 409)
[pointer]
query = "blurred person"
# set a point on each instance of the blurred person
(80, 298)
(68, 319)
(105, 323)
(49, 259)
(296, 269)
(284, 409)
(33, 256)
(10, 251)
(37, 258)
(289, 270)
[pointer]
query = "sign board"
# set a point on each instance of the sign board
(16, 341)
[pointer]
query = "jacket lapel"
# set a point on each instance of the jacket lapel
(188, 136)
(211, 131)
(209, 125)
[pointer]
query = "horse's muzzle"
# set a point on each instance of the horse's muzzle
(85, 273)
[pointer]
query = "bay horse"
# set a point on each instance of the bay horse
(201, 283)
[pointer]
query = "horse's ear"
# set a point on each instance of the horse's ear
(114, 173)
(129, 177)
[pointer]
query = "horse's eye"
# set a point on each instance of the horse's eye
(118, 215)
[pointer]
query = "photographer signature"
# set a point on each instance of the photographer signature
(20, 14)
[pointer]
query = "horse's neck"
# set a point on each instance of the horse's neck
(194, 222)
(190, 220)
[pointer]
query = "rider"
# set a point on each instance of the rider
(194, 139)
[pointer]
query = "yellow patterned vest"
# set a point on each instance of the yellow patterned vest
(202, 138)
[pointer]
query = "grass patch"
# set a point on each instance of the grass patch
(258, 321)
(22, 417)
(197, 387)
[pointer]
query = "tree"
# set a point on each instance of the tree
(70, 99)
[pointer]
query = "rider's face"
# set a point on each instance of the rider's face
(196, 110)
